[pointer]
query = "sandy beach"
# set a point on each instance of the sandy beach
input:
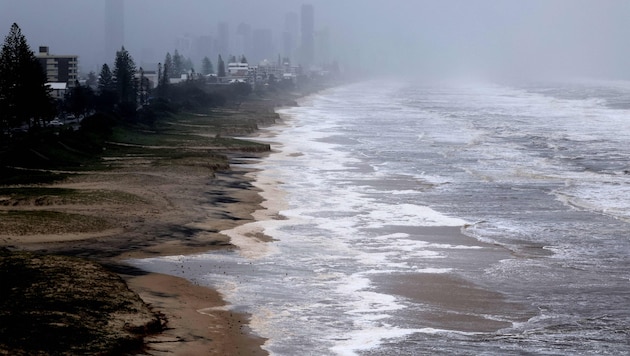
(143, 209)
(452, 302)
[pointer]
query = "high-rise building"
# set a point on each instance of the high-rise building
(262, 45)
(114, 27)
(290, 35)
(185, 45)
(204, 47)
(223, 39)
(244, 41)
(308, 35)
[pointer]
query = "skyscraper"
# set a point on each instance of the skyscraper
(262, 45)
(308, 35)
(223, 39)
(290, 34)
(114, 27)
(204, 47)
(244, 42)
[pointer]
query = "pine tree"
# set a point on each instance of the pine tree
(178, 65)
(106, 89)
(206, 66)
(163, 78)
(221, 67)
(105, 80)
(124, 77)
(23, 90)
(168, 68)
(40, 104)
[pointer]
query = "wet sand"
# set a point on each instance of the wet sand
(449, 300)
(199, 321)
(452, 303)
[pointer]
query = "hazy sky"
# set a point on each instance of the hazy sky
(473, 37)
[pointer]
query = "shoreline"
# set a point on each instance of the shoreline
(247, 238)
(200, 320)
(456, 304)
(185, 211)
(182, 209)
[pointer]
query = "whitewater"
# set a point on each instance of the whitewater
(437, 218)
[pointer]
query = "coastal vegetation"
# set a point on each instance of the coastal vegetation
(24, 95)
(113, 118)
(51, 199)
(58, 305)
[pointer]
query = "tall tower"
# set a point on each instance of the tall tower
(262, 45)
(114, 27)
(244, 43)
(289, 36)
(308, 35)
(223, 39)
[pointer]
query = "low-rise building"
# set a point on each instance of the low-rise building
(274, 72)
(238, 70)
(58, 90)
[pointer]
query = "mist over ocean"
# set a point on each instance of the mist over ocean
(448, 218)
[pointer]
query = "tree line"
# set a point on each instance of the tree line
(26, 99)
(26, 102)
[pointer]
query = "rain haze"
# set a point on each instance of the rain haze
(348, 177)
(583, 37)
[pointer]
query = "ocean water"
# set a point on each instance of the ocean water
(444, 218)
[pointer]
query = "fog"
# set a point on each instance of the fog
(407, 37)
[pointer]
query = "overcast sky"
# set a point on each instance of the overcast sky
(579, 37)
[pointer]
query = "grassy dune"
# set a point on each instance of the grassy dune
(62, 305)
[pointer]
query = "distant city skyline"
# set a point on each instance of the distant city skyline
(427, 37)
(222, 45)
(295, 40)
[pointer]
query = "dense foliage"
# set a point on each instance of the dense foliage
(24, 97)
